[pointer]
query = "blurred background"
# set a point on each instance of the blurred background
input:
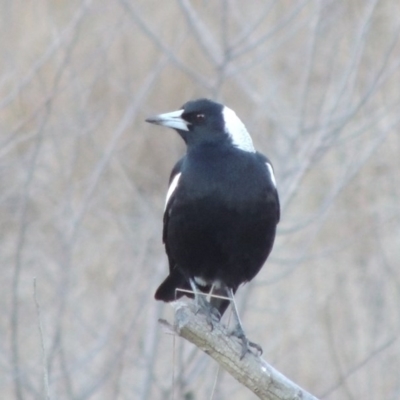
(83, 180)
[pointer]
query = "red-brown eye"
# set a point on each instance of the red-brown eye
(200, 117)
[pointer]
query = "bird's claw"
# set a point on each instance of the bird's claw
(246, 344)
(211, 313)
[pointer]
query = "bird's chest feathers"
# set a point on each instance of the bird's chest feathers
(223, 181)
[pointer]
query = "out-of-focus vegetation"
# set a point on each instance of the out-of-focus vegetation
(83, 179)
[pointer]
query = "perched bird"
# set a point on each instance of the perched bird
(221, 210)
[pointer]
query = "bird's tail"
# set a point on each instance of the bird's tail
(169, 289)
(176, 285)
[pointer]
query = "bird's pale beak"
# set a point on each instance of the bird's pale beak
(171, 120)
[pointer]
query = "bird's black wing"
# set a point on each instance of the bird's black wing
(169, 201)
(175, 280)
(221, 304)
(270, 170)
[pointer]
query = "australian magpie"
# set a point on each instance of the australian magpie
(221, 210)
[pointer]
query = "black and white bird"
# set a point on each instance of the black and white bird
(221, 210)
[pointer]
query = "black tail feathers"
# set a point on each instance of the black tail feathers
(169, 291)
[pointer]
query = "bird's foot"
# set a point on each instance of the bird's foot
(246, 344)
(211, 313)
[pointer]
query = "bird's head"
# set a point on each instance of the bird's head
(203, 120)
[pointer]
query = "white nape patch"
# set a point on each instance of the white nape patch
(172, 188)
(235, 128)
(271, 173)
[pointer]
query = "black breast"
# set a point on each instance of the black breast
(222, 224)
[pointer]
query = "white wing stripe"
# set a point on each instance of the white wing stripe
(172, 188)
(271, 173)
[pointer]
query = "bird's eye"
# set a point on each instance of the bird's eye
(200, 117)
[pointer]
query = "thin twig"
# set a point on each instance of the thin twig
(42, 345)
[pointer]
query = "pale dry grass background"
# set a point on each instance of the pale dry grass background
(83, 179)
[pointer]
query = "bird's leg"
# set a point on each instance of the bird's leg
(211, 313)
(238, 330)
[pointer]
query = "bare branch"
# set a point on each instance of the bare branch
(253, 372)
(165, 49)
(200, 31)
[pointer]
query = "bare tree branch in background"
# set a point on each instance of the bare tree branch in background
(83, 180)
(46, 387)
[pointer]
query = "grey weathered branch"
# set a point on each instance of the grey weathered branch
(253, 372)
